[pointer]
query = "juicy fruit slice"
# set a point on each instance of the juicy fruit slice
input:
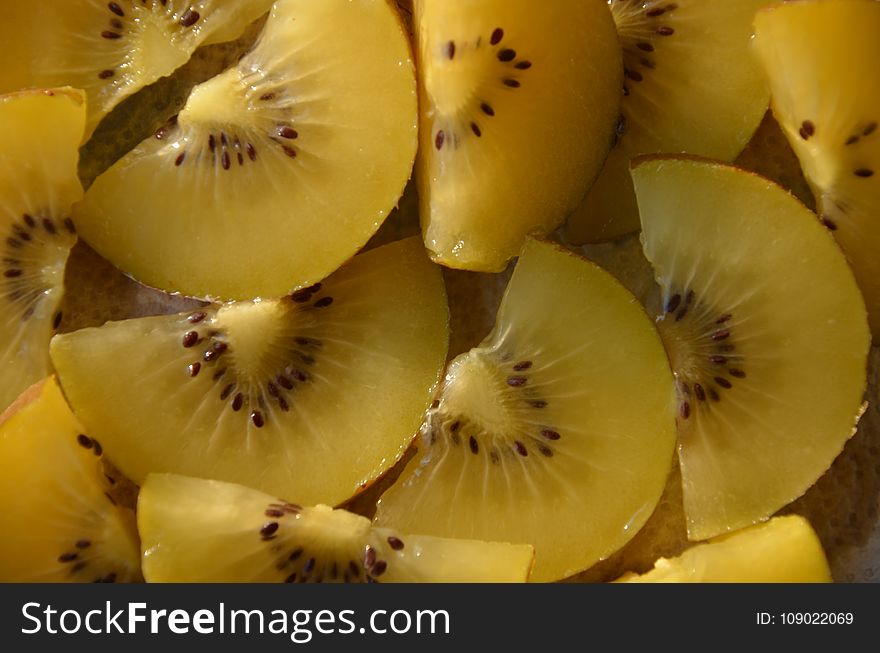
(60, 523)
(38, 185)
(783, 550)
(294, 157)
(195, 530)
(310, 396)
(558, 430)
(691, 85)
(766, 331)
(826, 95)
(111, 49)
(518, 109)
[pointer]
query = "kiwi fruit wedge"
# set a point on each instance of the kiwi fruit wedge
(294, 156)
(38, 185)
(691, 85)
(61, 522)
(558, 430)
(817, 56)
(197, 530)
(310, 396)
(111, 50)
(766, 331)
(518, 102)
(782, 550)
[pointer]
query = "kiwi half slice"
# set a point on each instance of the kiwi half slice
(111, 49)
(558, 430)
(820, 58)
(766, 330)
(782, 550)
(39, 141)
(293, 159)
(310, 396)
(195, 530)
(60, 520)
(518, 105)
(691, 85)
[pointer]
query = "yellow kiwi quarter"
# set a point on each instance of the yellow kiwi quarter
(40, 132)
(111, 49)
(60, 520)
(690, 84)
(276, 171)
(197, 530)
(518, 105)
(821, 59)
(557, 430)
(766, 330)
(782, 550)
(312, 396)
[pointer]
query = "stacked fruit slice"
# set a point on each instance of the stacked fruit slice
(770, 386)
(826, 93)
(518, 107)
(206, 531)
(61, 522)
(310, 396)
(111, 49)
(558, 430)
(691, 85)
(784, 550)
(39, 138)
(295, 156)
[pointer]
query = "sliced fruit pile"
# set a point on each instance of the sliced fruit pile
(249, 342)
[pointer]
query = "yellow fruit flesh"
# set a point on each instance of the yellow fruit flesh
(39, 139)
(557, 431)
(195, 530)
(783, 550)
(518, 105)
(58, 523)
(826, 93)
(111, 50)
(691, 86)
(763, 314)
(295, 156)
(312, 399)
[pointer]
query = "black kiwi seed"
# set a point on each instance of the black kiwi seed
(870, 129)
(724, 383)
(506, 54)
(116, 9)
(439, 139)
(323, 302)
(545, 450)
(237, 402)
(512, 83)
(379, 568)
(520, 448)
(699, 392)
(257, 419)
(107, 34)
(684, 410)
(450, 50)
(497, 35)
(190, 338)
(516, 381)
(287, 132)
(189, 18)
(864, 173)
(550, 434)
(395, 543)
(807, 129)
(269, 529)
(487, 109)
(369, 557)
(665, 31)
(475, 448)
(68, 557)
(49, 226)
(106, 74)
(523, 65)
(84, 441)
